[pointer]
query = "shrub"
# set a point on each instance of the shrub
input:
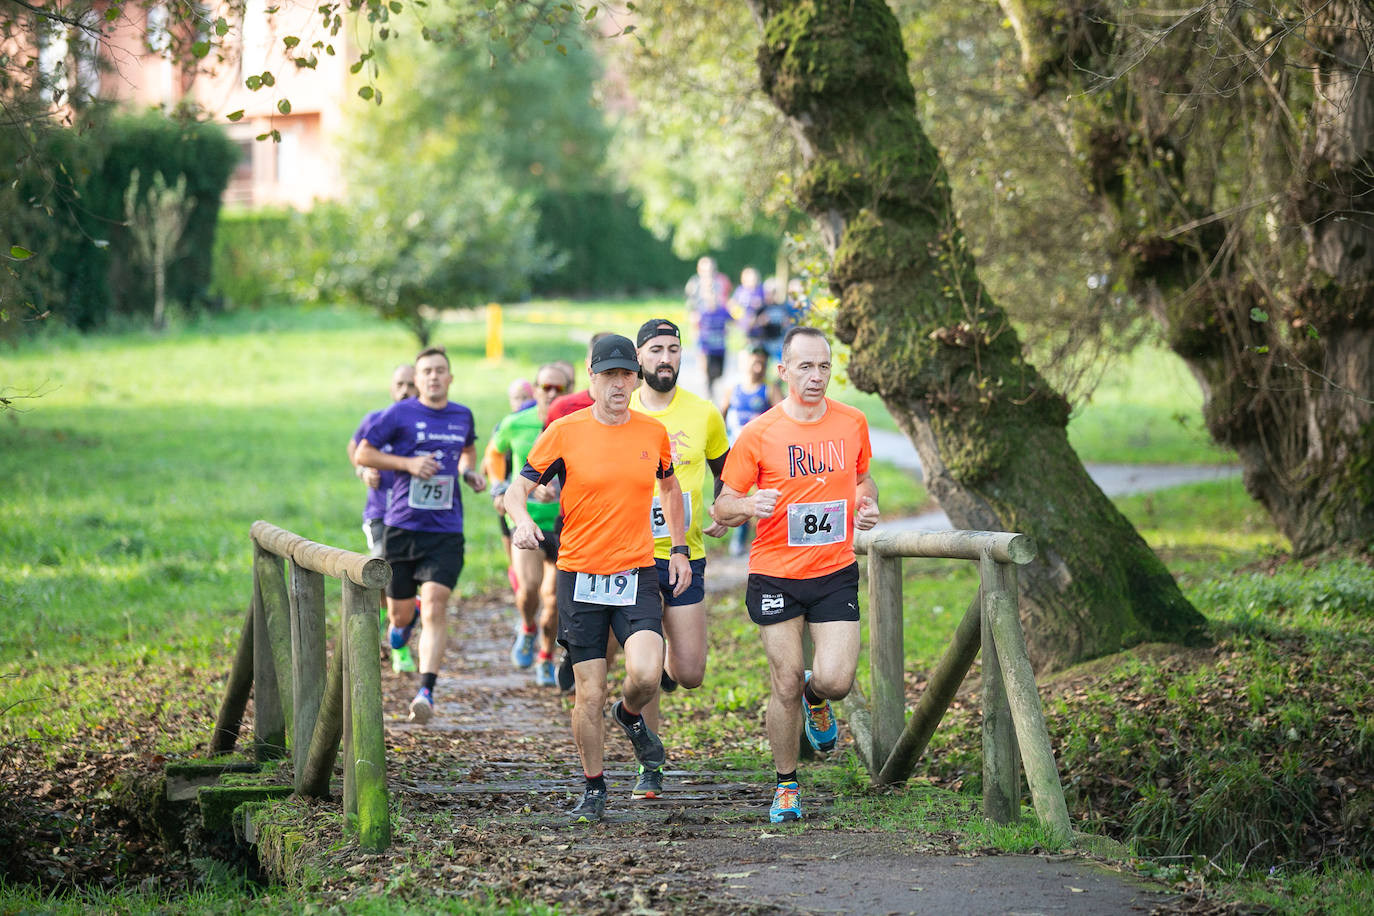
(84, 269)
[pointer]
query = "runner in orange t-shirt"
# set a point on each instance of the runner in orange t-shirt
(608, 458)
(808, 458)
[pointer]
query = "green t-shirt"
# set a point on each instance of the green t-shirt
(516, 434)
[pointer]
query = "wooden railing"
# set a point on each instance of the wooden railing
(281, 660)
(1013, 720)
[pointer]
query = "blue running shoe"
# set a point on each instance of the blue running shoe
(786, 803)
(522, 652)
(544, 675)
(821, 730)
(399, 637)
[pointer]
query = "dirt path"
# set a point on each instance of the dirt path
(482, 791)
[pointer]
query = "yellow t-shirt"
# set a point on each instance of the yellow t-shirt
(697, 433)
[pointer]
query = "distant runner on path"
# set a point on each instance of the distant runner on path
(745, 401)
(808, 458)
(432, 444)
(378, 485)
(607, 458)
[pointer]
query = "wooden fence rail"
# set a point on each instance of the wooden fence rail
(1013, 722)
(297, 692)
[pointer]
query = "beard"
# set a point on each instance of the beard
(659, 383)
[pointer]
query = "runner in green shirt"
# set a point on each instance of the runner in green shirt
(534, 569)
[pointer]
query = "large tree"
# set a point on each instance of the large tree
(1232, 146)
(926, 336)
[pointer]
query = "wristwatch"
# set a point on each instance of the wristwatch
(682, 549)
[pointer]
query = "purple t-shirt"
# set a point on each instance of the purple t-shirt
(410, 428)
(375, 507)
(711, 327)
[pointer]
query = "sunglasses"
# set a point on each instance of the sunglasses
(556, 389)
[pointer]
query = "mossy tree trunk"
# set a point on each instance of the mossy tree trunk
(927, 338)
(1239, 175)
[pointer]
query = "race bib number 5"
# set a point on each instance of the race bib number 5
(435, 493)
(812, 524)
(619, 589)
(658, 521)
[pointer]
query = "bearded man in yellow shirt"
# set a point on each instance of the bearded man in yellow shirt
(696, 431)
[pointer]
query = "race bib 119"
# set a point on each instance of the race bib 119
(618, 589)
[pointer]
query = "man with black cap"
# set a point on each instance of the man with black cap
(697, 433)
(607, 459)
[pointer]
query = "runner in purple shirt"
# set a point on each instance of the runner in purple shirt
(379, 487)
(432, 446)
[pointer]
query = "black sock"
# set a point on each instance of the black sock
(625, 717)
(429, 680)
(810, 695)
(666, 682)
(787, 777)
(597, 782)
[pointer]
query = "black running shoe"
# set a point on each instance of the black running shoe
(666, 682)
(648, 749)
(566, 681)
(649, 784)
(591, 808)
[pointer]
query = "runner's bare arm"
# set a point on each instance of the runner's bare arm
(717, 466)
(421, 466)
(866, 501)
(679, 569)
(732, 508)
(525, 534)
(370, 476)
(467, 469)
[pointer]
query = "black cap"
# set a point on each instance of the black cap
(653, 328)
(614, 352)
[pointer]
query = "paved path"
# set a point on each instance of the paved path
(1114, 479)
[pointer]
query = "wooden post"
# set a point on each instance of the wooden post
(350, 785)
(269, 722)
(324, 742)
(935, 699)
(308, 660)
(368, 747)
(1001, 775)
(1042, 773)
(230, 719)
(276, 606)
(886, 657)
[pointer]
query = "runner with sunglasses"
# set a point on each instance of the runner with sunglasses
(534, 568)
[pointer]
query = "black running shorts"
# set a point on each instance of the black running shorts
(830, 597)
(584, 628)
(421, 556)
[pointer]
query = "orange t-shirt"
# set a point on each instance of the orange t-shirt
(608, 488)
(815, 468)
